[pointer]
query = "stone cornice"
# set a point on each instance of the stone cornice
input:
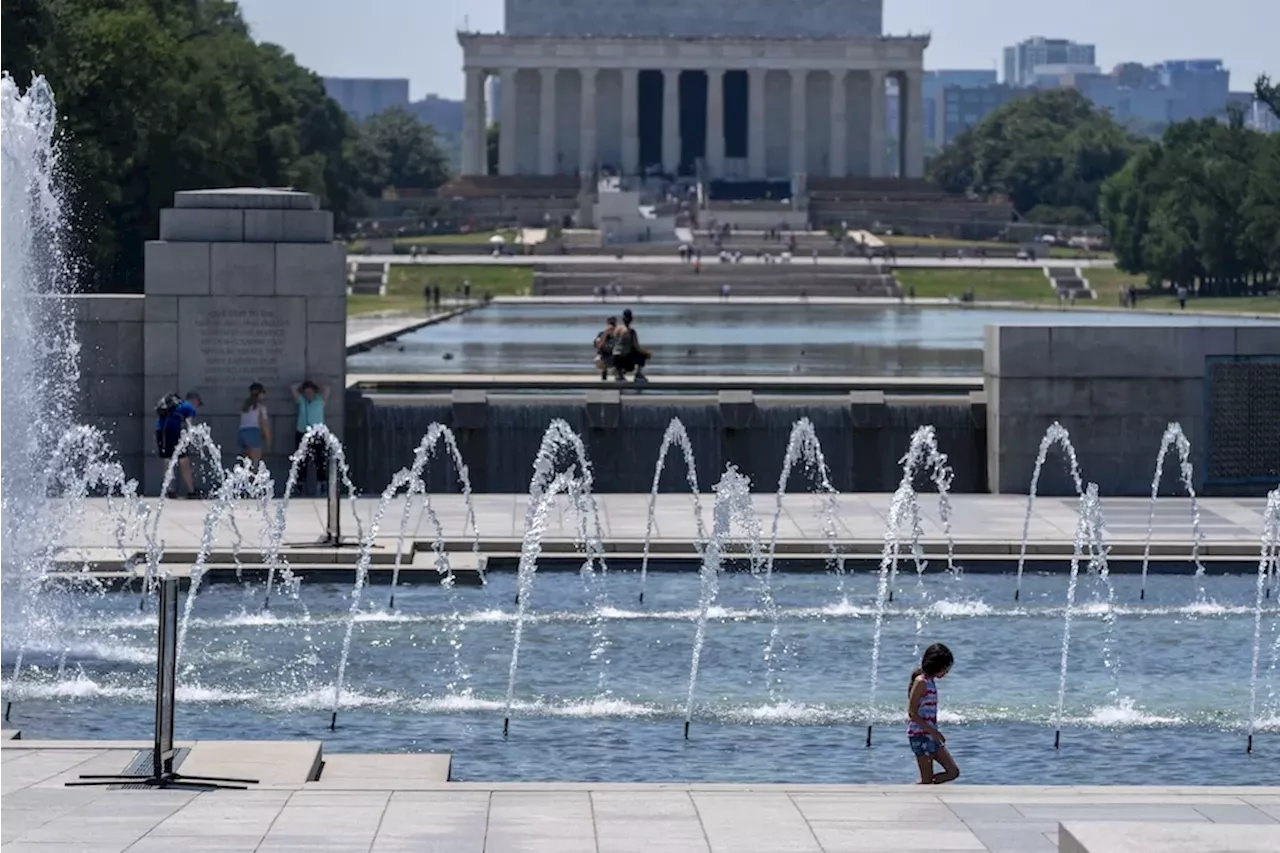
(495, 52)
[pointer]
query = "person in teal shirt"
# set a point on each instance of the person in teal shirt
(310, 399)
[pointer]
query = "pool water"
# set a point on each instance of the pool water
(603, 680)
(814, 340)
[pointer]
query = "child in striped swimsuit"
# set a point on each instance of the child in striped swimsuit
(927, 742)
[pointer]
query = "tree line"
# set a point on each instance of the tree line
(1200, 207)
(157, 96)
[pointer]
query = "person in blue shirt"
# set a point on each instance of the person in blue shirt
(171, 418)
(310, 399)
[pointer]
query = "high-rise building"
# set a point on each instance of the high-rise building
(957, 108)
(1022, 59)
(1201, 83)
(363, 97)
(935, 82)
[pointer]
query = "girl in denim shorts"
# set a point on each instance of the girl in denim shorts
(926, 741)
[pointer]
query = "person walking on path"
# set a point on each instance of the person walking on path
(172, 414)
(255, 425)
(310, 399)
(927, 743)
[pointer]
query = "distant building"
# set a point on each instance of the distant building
(364, 97)
(1135, 100)
(957, 108)
(1202, 84)
(1057, 75)
(934, 84)
(1021, 60)
(443, 114)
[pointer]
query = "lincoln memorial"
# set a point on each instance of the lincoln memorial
(723, 89)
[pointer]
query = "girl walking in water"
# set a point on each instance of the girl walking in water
(927, 742)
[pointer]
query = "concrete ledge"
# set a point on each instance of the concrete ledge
(470, 409)
(269, 762)
(1184, 837)
(737, 408)
(381, 772)
(604, 408)
(246, 198)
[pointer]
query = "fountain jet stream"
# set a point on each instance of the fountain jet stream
(1270, 538)
(436, 435)
(338, 456)
(802, 445)
(733, 501)
(674, 435)
(1086, 533)
(530, 550)
(1174, 437)
(1055, 434)
(902, 500)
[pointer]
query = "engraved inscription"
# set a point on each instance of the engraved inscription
(241, 345)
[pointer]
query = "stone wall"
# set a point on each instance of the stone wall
(1116, 388)
(244, 286)
(110, 331)
(863, 436)
(710, 18)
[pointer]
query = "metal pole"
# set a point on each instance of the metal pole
(333, 503)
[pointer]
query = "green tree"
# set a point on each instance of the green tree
(1049, 151)
(1268, 93)
(395, 149)
(156, 96)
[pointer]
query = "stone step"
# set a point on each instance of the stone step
(346, 771)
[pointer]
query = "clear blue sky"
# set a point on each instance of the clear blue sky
(415, 38)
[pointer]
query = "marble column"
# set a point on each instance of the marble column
(799, 121)
(875, 127)
(507, 122)
(838, 165)
(547, 123)
(671, 121)
(715, 122)
(473, 124)
(587, 145)
(755, 123)
(630, 121)
(912, 87)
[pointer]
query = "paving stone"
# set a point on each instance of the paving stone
(838, 837)
(1242, 813)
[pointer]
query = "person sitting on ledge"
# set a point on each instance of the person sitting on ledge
(628, 355)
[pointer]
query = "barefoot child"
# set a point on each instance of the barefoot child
(927, 742)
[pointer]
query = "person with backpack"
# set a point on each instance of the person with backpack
(627, 352)
(310, 399)
(604, 346)
(172, 414)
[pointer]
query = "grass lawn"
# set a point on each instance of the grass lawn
(1028, 285)
(1216, 304)
(1107, 283)
(405, 283)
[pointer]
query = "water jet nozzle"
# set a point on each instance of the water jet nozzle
(1057, 738)
(1248, 748)
(686, 729)
(642, 596)
(1017, 594)
(868, 736)
(8, 706)
(391, 605)
(506, 725)
(333, 721)
(1142, 595)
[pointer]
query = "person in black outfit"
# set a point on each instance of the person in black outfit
(627, 352)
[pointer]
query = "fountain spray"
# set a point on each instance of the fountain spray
(1055, 434)
(675, 434)
(733, 500)
(1174, 437)
(1086, 529)
(530, 549)
(1270, 537)
(902, 499)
